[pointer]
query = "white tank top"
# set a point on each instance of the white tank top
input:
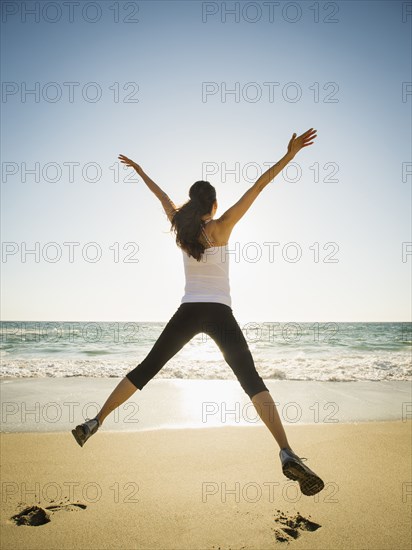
(207, 280)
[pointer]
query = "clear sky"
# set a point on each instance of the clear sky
(152, 81)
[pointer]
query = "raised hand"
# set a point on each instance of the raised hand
(129, 162)
(297, 143)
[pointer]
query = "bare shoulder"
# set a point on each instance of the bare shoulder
(218, 232)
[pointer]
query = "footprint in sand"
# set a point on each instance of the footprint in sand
(35, 515)
(292, 526)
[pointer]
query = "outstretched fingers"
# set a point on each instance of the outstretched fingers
(126, 160)
(309, 134)
(309, 138)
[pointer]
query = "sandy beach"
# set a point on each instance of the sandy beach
(212, 488)
(192, 206)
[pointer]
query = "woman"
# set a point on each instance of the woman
(206, 306)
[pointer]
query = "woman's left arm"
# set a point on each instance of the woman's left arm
(167, 203)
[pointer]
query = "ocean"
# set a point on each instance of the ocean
(337, 352)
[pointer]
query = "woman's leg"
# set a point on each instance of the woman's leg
(119, 395)
(268, 412)
(225, 331)
(179, 330)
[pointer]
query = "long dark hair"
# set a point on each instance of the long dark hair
(187, 222)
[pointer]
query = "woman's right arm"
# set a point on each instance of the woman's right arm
(235, 212)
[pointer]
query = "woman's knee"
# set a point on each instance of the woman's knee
(243, 366)
(255, 386)
(133, 378)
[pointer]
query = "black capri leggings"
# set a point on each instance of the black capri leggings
(217, 321)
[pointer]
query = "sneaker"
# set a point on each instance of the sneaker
(294, 469)
(82, 432)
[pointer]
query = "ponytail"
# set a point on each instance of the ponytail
(187, 221)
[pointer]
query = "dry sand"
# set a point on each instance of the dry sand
(211, 488)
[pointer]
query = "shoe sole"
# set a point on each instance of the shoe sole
(77, 437)
(310, 484)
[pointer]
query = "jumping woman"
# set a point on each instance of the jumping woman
(206, 307)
